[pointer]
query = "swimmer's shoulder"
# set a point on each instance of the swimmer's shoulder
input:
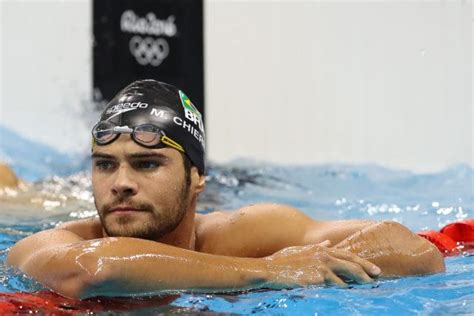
(206, 223)
(251, 212)
(211, 218)
(89, 228)
(219, 223)
(8, 177)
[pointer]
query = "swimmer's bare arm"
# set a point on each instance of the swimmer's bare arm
(395, 249)
(262, 229)
(71, 266)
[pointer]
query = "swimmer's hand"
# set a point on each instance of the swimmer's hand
(318, 264)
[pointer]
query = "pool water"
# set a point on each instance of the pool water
(336, 191)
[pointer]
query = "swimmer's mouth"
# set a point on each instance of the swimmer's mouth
(124, 209)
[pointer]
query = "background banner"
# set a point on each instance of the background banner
(139, 39)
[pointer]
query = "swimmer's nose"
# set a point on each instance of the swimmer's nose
(124, 183)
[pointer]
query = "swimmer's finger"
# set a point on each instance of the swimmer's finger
(332, 279)
(370, 268)
(350, 271)
(325, 243)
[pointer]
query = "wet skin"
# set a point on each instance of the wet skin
(159, 243)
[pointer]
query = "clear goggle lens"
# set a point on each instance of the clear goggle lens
(147, 135)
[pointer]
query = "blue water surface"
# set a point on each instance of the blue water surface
(34, 161)
(332, 191)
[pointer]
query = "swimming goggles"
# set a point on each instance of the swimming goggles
(147, 135)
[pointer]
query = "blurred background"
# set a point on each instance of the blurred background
(342, 109)
(286, 82)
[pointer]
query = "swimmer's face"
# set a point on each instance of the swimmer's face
(141, 192)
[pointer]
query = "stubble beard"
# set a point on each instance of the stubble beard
(157, 224)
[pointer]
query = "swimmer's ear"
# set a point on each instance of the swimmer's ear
(197, 180)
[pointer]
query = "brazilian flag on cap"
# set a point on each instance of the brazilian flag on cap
(187, 104)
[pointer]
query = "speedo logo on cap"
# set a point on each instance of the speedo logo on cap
(126, 106)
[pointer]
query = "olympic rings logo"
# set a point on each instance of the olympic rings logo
(149, 51)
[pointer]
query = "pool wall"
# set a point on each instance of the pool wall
(388, 82)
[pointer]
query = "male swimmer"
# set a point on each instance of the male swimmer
(147, 172)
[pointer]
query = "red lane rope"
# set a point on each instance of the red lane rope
(452, 239)
(50, 303)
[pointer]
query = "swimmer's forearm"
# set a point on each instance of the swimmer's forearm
(395, 249)
(152, 267)
(125, 266)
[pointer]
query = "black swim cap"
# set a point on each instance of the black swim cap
(165, 106)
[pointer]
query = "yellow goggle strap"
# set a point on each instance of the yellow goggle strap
(169, 142)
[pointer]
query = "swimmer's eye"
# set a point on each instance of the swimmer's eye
(104, 165)
(146, 164)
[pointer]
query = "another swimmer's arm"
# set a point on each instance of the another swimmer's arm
(122, 266)
(395, 249)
